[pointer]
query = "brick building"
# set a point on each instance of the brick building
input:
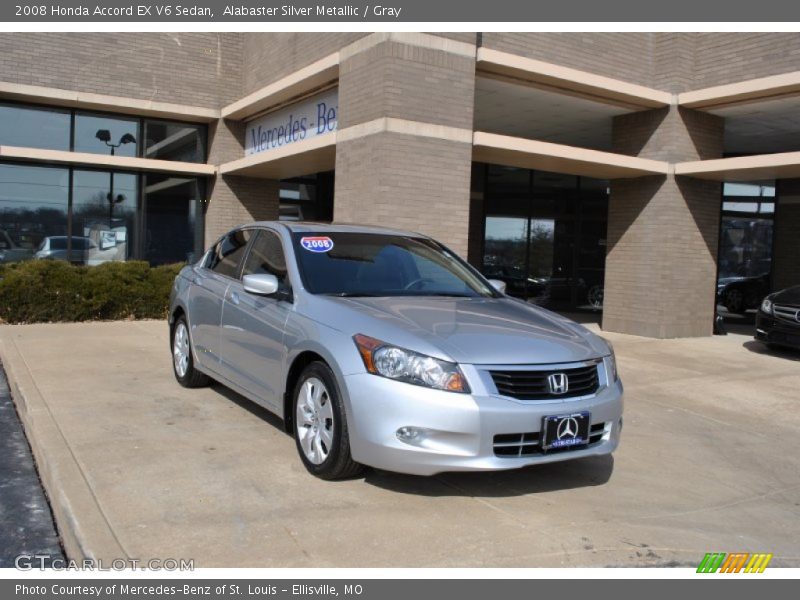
(624, 171)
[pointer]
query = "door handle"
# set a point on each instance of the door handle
(234, 298)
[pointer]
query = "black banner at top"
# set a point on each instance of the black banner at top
(389, 11)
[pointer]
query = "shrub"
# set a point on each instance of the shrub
(42, 291)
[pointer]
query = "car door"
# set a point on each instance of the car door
(253, 351)
(206, 295)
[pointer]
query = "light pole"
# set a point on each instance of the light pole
(104, 135)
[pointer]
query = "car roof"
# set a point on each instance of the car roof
(313, 227)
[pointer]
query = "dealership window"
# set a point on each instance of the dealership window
(34, 204)
(308, 198)
(167, 140)
(101, 134)
(172, 218)
(104, 208)
(746, 230)
(30, 127)
(545, 235)
(114, 215)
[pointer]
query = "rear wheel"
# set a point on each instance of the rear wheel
(320, 425)
(182, 360)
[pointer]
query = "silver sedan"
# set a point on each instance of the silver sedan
(383, 348)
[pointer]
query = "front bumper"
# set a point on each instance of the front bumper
(771, 330)
(458, 430)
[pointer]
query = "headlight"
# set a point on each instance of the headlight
(766, 306)
(611, 365)
(404, 365)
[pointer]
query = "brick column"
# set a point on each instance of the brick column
(234, 200)
(785, 266)
(404, 147)
(663, 232)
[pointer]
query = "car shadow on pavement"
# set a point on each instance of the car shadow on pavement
(584, 472)
(536, 479)
(249, 406)
(760, 348)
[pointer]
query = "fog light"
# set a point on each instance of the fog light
(409, 434)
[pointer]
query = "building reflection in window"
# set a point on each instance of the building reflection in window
(104, 215)
(31, 127)
(120, 129)
(33, 212)
(308, 198)
(545, 236)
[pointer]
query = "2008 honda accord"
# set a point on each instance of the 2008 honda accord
(383, 348)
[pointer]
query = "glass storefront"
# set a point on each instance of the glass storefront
(745, 244)
(104, 207)
(90, 216)
(545, 235)
(167, 140)
(100, 133)
(34, 208)
(31, 127)
(172, 218)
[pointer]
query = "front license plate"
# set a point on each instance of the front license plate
(565, 431)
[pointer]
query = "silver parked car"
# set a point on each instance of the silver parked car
(383, 348)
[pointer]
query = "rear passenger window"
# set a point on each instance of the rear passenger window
(227, 254)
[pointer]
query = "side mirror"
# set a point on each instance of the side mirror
(261, 284)
(499, 285)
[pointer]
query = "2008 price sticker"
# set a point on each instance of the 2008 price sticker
(317, 243)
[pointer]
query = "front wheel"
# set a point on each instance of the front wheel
(320, 425)
(182, 360)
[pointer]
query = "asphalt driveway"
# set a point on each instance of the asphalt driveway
(137, 466)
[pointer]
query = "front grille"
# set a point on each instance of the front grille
(532, 385)
(786, 313)
(513, 445)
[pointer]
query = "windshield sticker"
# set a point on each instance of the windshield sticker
(317, 243)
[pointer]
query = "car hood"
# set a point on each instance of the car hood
(466, 330)
(788, 296)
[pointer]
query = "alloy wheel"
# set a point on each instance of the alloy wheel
(180, 349)
(315, 420)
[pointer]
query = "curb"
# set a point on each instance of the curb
(82, 526)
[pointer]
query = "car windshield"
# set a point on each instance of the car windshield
(375, 264)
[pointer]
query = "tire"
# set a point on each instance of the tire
(182, 359)
(320, 425)
(734, 301)
(595, 297)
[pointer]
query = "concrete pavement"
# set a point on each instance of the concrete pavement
(137, 466)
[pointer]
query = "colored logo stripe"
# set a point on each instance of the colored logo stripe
(758, 563)
(733, 563)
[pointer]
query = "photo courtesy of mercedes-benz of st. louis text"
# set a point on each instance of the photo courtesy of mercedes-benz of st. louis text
(382, 348)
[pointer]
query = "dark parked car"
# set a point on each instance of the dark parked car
(737, 294)
(778, 319)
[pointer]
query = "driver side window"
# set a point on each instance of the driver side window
(266, 257)
(226, 255)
